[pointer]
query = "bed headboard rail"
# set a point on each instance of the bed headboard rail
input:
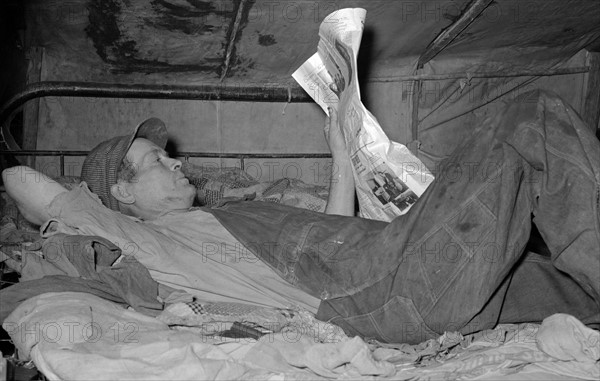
(242, 157)
(220, 92)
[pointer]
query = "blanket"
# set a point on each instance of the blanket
(214, 184)
(74, 335)
(80, 336)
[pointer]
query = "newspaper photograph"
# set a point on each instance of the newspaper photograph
(389, 178)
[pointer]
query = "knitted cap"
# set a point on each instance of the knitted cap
(100, 167)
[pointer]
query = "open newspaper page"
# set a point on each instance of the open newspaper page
(389, 178)
(316, 81)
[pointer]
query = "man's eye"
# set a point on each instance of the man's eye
(161, 156)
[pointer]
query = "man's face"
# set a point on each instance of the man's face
(158, 185)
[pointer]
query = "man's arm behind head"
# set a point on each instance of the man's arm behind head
(32, 191)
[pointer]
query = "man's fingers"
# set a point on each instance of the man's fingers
(332, 118)
(328, 120)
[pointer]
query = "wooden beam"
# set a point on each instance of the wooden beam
(233, 31)
(471, 12)
(591, 102)
(31, 109)
(476, 74)
(414, 117)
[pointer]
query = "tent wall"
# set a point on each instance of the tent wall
(258, 42)
(447, 111)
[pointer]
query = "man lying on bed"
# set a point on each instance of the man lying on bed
(455, 262)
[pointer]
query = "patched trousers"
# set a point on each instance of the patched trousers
(456, 261)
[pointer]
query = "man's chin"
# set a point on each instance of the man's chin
(192, 194)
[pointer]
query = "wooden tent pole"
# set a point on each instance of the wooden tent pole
(417, 86)
(31, 110)
(243, 7)
(472, 11)
(495, 74)
(591, 103)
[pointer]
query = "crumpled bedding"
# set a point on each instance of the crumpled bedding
(216, 184)
(72, 335)
(81, 336)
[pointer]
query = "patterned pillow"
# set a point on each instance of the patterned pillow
(214, 184)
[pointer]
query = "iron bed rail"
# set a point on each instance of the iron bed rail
(222, 92)
(242, 157)
(216, 92)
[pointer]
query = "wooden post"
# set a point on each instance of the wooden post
(448, 35)
(591, 102)
(414, 118)
(31, 109)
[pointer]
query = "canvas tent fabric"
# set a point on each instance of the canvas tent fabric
(254, 41)
(503, 52)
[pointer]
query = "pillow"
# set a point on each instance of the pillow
(214, 184)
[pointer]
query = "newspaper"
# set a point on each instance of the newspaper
(389, 178)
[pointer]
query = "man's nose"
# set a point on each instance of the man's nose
(174, 164)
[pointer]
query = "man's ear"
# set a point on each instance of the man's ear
(121, 193)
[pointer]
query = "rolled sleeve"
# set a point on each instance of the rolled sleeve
(79, 199)
(79, 211)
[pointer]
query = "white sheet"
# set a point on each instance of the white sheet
(80, 336)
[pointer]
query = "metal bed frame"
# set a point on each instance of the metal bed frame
(219, 92)
(208, 92)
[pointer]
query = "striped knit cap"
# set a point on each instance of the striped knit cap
(100, 167)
